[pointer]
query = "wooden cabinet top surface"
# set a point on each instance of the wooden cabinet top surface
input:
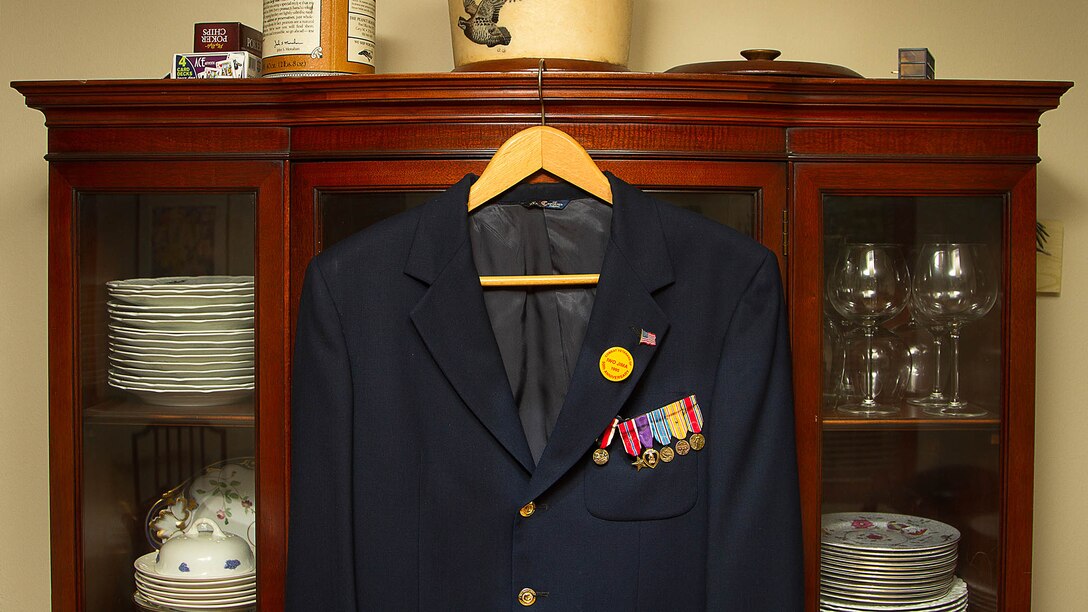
(567, 95)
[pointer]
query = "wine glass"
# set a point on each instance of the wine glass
(925, 340)
(877, 363)
(954, 283)
(869, 285)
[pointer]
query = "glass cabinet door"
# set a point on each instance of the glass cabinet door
(167, 376)
(914, 301)
(165, 287)
(348, 197)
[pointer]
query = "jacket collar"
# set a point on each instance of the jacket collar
(452, 319)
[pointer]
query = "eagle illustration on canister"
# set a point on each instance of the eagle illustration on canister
(482, 26)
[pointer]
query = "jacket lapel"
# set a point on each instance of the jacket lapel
(452, 319)
(636, 264)
(453, 322)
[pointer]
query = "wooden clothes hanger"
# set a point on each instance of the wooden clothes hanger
(529, 151)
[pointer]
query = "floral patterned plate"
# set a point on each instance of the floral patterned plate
(226, 493)
(877, 531)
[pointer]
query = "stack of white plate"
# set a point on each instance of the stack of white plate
(879, 562)
(155, 591)
(182, 340)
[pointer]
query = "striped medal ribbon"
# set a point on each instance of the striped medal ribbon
(678, 424)
(646, 436)
(660, 428)
(694, 417)
(600, 454)
(629, 435)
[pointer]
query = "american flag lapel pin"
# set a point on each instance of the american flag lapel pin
(647, 338)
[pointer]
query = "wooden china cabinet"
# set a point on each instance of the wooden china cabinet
(166, 178)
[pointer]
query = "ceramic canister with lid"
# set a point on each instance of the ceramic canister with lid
(593, 35)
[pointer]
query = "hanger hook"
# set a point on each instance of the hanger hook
(540, 90)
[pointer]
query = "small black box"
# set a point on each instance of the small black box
(916, 64)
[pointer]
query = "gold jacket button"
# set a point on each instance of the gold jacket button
(527, 510)
(527, 597)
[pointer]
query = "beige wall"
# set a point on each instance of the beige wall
(992, 39)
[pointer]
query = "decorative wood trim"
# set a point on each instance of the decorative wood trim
(404, 99)
(1018, 431)
(65, 448)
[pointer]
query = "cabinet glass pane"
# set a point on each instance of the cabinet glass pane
(342, 213)
(913, 387)
(166, 374)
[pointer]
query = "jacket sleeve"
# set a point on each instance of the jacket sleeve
(754, 559)
(320, 556)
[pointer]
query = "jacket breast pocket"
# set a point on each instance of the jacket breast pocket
(617, 491)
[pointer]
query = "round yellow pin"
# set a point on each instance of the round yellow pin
(617, 363)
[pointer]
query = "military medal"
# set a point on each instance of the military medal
(666, 455)
(660, 429)
(646, 437)
(694, 418)
(631, 443)
(600, 455)
(678, 425)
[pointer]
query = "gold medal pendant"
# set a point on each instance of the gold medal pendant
(650, 457)
(666, 454)
(600, 456)
(698, 442)
(640, 463)
(682, 447)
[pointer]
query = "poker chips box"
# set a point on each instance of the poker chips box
(231, 36)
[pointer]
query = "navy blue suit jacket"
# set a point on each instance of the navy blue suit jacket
(410, 465)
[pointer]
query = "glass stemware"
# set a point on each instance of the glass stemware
(954, 283)
(928, 371)
(869, 285)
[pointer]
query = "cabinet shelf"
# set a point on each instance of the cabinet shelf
(128, 411)
(909, 417)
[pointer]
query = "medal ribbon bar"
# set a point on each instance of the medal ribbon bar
(629, 435)
(693, 415)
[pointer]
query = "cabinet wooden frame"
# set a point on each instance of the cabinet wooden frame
(67, 181)
(1015, 185)
(788, 141)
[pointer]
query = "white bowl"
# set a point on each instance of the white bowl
(194, 381)
(193, 324)
(165, 586)
(147, 603)
(147, 298)
(198, 315)
(189, 398)
(123, 307)
(145, 373)
(159, 342)
(190, 355)
(204, 551)
(168, 600)
(145, 568)
(210, 387)
(182, 283)
(121, 331)
(141, 366)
